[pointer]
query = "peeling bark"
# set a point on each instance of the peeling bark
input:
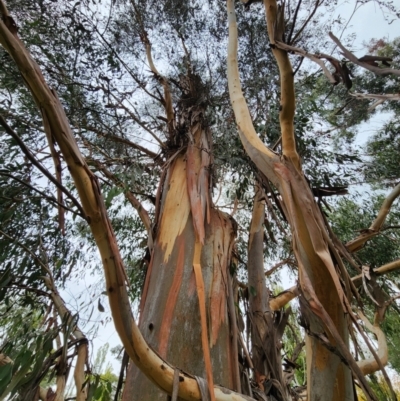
(264, 340)
(328, 377)
(170, 319)
(190, 235)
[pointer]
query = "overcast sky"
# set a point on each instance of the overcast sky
(368, 23)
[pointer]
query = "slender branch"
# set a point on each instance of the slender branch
(58, 171)
(376, 226)
(289, 39)
(141, 85)
(134, 118)
(27, 250)
(168, 105)
(125, 141)
(278, 265)
(124, 364)
(36, 163)
(48, 197)
(274, 17)
(310, 56)
(143, 214)
(25, 287)
(298, 33)
(298, 66)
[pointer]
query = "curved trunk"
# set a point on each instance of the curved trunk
(324, 301)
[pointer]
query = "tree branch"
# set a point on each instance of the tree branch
(355, 60)
(379, 99)
(143, 214)
(376, 226)
(283, 298)
(298, 33)
(310, 56)
(251, 142)
(169, 110)
(275, 25)
(48, 197)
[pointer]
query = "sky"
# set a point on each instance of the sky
(368, 23)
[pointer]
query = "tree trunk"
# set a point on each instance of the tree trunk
(265, 341)
(170, 310)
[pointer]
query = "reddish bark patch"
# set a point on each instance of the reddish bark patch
(194, 194)
(171, 300)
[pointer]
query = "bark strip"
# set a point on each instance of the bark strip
(203, 317)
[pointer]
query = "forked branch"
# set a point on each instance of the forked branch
(368, 66)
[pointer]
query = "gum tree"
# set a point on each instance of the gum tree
(191, 340)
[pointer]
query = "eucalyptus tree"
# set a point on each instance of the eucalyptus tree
(132, 97)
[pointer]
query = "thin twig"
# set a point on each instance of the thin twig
(48, 197)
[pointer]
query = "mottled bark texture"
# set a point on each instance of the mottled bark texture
(187, 223)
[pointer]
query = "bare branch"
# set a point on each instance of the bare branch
(379, 99)
(376, 226)
(283, 298)
(143, 214)
(298, 33)
(384, 269)
(48, 197)
(310, 56)
(169, 110)
(137, 120)
(120, 139)
(350, 56)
